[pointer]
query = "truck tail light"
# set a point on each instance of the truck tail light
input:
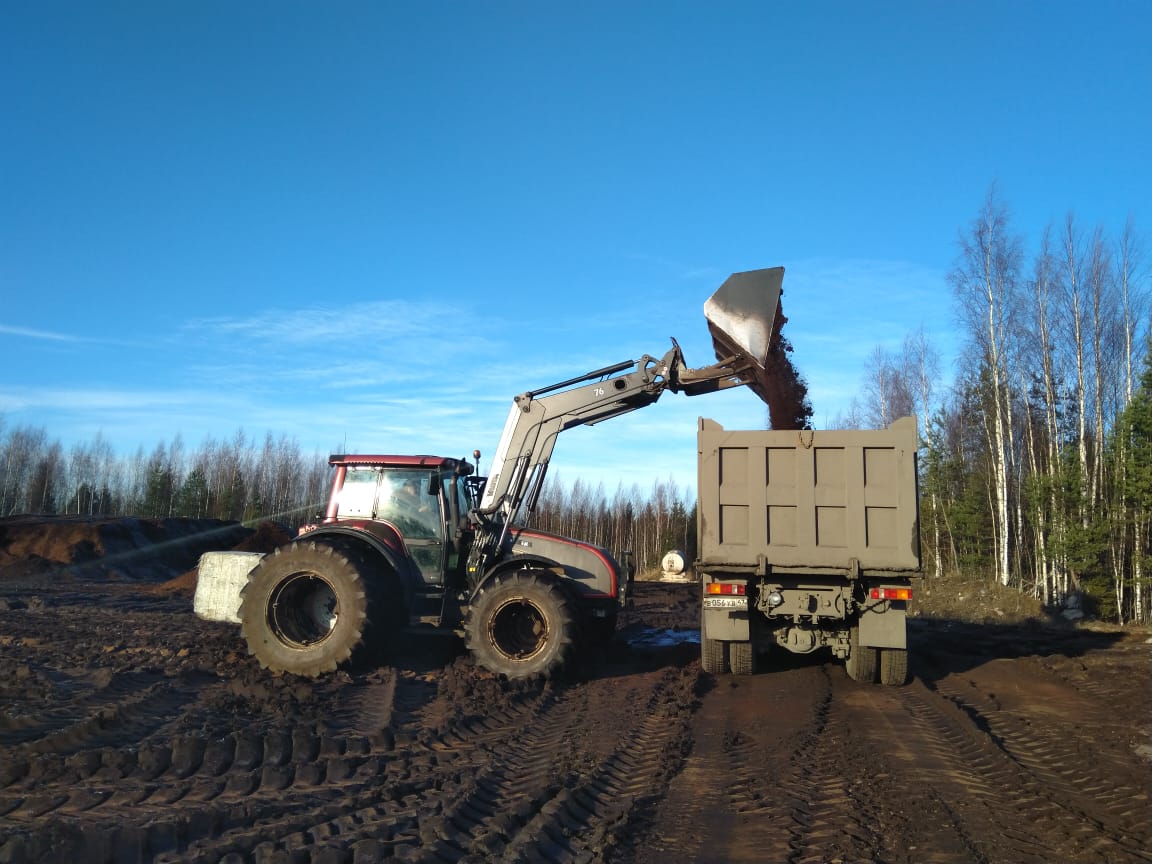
(725, 588)
(891, 594)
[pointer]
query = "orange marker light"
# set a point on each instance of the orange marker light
(725, 588)
(891, 594)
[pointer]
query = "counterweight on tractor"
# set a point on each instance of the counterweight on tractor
(420, 541)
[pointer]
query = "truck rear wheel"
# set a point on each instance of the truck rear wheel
(712, 655)
(521, 625)
(305, 609)
(893, 666)
(742, 658)
(713, 652)
(861, 662)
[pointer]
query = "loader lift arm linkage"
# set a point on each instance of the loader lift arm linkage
(744, 317)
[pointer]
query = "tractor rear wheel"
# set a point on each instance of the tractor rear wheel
(521, 625)
(305, 608)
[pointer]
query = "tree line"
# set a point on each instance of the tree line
(234, 479)
(1036, 467)
(248, 480)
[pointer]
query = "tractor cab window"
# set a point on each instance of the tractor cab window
(462, 502)
(358, 494)
(405, 502)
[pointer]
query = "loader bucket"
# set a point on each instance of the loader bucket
(744, 317)
(743, 314)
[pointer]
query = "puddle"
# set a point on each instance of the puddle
(660, 637)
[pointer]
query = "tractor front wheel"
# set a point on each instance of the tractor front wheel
(521, 625)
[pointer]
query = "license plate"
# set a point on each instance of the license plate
(725, 602)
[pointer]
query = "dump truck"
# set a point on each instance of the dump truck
(807, 540)
(419, 542)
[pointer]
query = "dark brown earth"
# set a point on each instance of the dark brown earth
(132, 731)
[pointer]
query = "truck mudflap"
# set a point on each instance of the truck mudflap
(883, 624)
(726, 624)
(724, 610)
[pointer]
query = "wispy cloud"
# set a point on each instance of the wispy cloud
(71, 400)
(335, 322)
(30, 333)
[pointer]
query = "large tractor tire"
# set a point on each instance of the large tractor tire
(521, 625)
(893, 666)
(306, 608)
(861, 662)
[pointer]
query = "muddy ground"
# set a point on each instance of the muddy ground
(132, 731)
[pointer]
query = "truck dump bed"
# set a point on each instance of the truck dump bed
(834, 502)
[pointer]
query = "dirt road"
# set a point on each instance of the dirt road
(132, 731)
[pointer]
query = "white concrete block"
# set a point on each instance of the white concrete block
(222, 576)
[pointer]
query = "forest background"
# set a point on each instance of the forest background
(1035, 459)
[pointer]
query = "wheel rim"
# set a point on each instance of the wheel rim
(303, 610)
(518, 629)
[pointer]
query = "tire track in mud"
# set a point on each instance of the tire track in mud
(767, 778)
(829, 816)
(811, 815)
(287, 788)
(942, 753)
(502, 785)
(210, 783)
(1075, 772)
(121, 710)
(380, 810)
(578, 821)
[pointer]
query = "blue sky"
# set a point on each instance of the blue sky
(368, 225)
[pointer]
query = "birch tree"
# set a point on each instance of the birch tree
(921, 368)
(985, 279)
(1129, 271)
(1073, 286)
(1043, 446)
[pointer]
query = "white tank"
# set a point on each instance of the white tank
(672, 567)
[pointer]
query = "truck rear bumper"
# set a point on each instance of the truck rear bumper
(881, 625)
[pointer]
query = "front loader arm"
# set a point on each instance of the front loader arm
(744, 318)
(538, 416)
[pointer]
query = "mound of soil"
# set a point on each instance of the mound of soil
(107, 549)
